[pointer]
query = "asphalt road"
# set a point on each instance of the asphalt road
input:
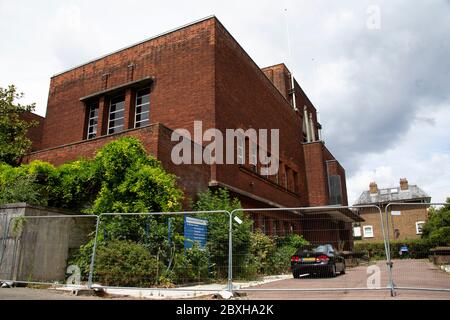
(406, 273)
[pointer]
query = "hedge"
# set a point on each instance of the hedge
(418, 249)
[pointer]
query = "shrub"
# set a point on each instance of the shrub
(16, 186)
(261, 248)
(280, 259)
(418, 249)
(272, 255)
(218, 226)
(190, 265)
(125, 263)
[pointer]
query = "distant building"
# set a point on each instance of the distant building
(405, 222)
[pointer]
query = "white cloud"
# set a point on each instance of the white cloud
(422, 155)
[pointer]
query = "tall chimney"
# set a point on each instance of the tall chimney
(404, 184)
(373, 188)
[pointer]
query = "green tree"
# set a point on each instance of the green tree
(437, 228)
(13, 141)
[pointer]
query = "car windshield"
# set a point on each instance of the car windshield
(321, 248)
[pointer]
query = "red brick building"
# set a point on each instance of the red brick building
(196, 72)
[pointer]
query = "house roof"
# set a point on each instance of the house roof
(414, 193)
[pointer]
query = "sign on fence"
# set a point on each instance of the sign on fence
(195, 230)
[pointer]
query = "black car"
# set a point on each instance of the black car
(319, 259)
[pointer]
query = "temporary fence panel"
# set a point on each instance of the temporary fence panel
(304, 249)
(176, 251)
(420, 258)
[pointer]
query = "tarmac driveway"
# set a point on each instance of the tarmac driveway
(406, 273)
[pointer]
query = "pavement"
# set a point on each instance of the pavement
(406, 273)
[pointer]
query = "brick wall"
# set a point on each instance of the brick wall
(405, 223)
(245, 98)
(157, 142)
(34, 133)
(320, 164)
(181, 62)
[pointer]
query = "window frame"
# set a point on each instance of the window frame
(109, 114)
(364, 234)
(136, 105)
(90, 107)
(417, 225)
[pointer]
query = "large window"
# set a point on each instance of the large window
(92, 121)
(142, 108)
(116, 114)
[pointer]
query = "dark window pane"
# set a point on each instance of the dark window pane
(116, 115)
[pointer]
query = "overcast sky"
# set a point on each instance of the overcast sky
(377, 71)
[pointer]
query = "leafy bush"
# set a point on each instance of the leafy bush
(440, 236)
(74, 185)
(218, 225)
(437, 228)
(280, 260)
(15, 186)
(190, 265)
(272, 255)
(261, 248)
(125, 263)
(418, 249)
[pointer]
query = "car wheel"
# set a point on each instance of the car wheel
(296, 275)
(333, 271)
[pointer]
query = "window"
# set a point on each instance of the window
(116, 114)
(419, 226)
(92, 121)
(357, 232)
(142, 108)
(368, 231)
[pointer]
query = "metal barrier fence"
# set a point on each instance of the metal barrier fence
(327, 229)
(246, 250)
(416, 266)
(175, 250)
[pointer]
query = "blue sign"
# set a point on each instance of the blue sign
(195, 230)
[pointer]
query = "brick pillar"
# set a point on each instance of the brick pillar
(103, 110)
(128, 121)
